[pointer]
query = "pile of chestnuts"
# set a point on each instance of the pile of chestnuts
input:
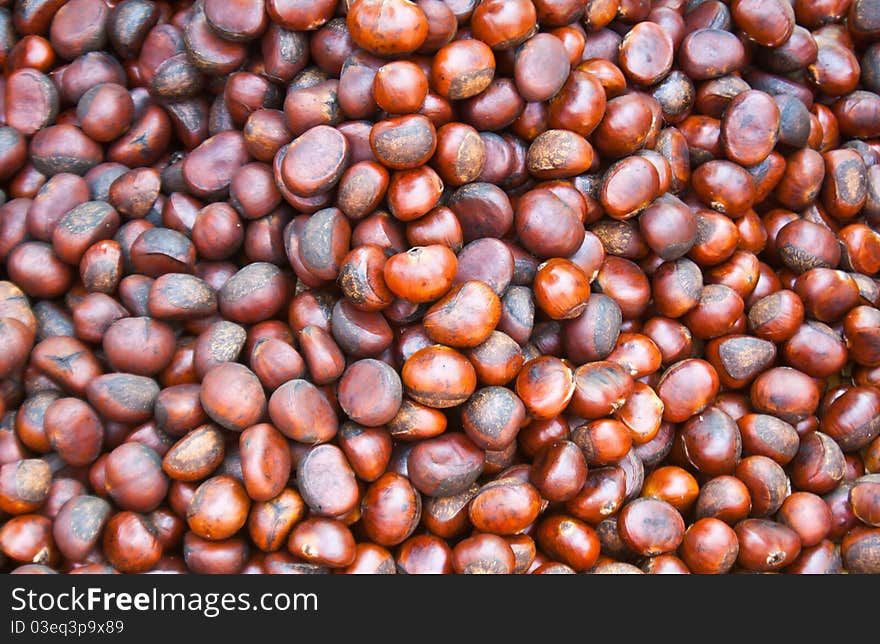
(442, 286)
